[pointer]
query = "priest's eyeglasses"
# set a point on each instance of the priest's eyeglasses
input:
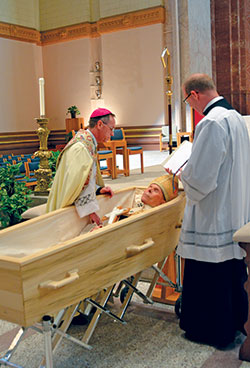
(185, 99)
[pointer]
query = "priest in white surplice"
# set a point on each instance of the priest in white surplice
(216, 181)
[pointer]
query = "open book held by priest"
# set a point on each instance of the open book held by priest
(178, 159)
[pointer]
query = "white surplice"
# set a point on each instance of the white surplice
(216, 181)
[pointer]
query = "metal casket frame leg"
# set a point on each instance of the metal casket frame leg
(46, 325)
(12, 348)
(58, 329)
(48, 328)
(47, 333)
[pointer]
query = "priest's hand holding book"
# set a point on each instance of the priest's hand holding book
(177, 161)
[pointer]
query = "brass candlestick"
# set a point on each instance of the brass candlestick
(44, 173)
(168, 83)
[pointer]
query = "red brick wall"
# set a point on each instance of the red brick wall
(230, 21)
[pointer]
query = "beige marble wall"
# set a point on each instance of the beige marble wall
(131, 72)
(19, 89)
(133, 75)
(67, 78)
(20, 12)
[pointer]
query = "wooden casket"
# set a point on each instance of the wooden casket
(47, 263)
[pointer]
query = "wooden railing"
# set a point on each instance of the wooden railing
(145, 136)
(28, 142)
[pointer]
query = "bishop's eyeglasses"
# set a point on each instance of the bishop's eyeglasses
(112, 129)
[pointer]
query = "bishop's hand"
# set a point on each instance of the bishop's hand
(95, 218)
(107, 191)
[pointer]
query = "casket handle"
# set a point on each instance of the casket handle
(70, 277)
(178, 226)
(132, 250)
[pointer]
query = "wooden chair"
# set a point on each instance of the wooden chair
(30, 168)
(25, 176)
(164, 137)
(27, 156)
(109, 169)
(17, 158)
(22, 172)
(118, 145)
(136, 151)
(26, 159)
(8, 162)
(181, 136)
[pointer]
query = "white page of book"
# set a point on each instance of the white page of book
(178, 158)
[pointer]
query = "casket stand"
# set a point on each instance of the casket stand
(243, 237)
(46, 265)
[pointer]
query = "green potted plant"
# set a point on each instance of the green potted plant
(52, 163)
(68, 137)
(14, 196)
(73, 111)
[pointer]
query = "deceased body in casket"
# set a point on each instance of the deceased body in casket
(48, 263)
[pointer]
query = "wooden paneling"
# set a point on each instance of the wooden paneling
(28, 142)
(56, 137)
(146, 136)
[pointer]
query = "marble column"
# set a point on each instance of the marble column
(195, 44)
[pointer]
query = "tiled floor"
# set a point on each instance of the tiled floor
(151, 158)
(150, 339)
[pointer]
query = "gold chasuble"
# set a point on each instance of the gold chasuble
(74, 167)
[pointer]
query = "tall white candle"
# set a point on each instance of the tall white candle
(41, 96)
